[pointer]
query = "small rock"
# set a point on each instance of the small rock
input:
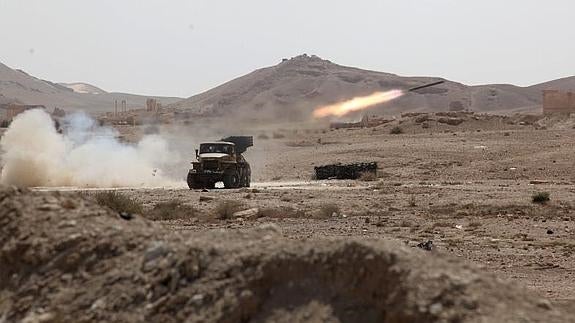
(126, 216)
(204, 198)
(98, 304)
(247, 214)
(197, 299)
(549, 231)
(48, 207)
(157, 249)
(544, 304)
(67, 224)
(426, 245)
(435, 309)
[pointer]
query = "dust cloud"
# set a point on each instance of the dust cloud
(34, 153)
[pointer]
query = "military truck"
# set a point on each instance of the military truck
(221, 161)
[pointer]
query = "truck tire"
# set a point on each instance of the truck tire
(231, 180)
(245, 182)
(192, 184)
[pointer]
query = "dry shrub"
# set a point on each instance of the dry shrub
(118, 202)
(226, 209)
(396, 130)
(171, 210)
(475, 224)
(328, 210)
(302, 143)
(277, 135)
(412, 201)
(263, 136)
(368, 176)
(280, 213)
(541, 197)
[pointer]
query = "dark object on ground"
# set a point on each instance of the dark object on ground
(126, 216)
(541, 197)
(349, 171)
(88, 265)
(397, 130)
(426, 245)
(221, 161)
(549, 231)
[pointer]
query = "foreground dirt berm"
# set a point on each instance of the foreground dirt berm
(65, 259)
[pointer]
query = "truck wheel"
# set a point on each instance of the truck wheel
(244, 181)
(248, 180)
(193, 185)
(231, 180)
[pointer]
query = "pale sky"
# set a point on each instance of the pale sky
(183, 47)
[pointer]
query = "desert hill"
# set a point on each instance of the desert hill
(295, 87)
(83, 88)
(563, 84)
(18, 86)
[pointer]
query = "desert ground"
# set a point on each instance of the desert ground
(468, 188)
(464, 181)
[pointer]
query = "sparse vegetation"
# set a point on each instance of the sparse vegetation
(368, 176)
(118, 202)
(328, 210)
(475, 224)
(278, 135)
(171, 210)
(226, 209)
(412, 202)
(280, 213)
(396, 130)
(263, 136)
(541, 197)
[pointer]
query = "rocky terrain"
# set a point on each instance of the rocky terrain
(491, 196)
(66, 259)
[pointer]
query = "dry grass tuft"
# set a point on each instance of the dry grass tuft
(226, 209)
(368, 176)
(118, 202)
(541, 197)
(328, 210)
(281, 213)
(397, 130)
(171, 210)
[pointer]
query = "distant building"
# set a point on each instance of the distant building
(558, 102)
(11, 110)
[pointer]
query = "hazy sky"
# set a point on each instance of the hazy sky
(182, 47)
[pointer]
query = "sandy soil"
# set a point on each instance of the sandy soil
(467, 188)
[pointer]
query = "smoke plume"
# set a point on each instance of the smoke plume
(34, 153)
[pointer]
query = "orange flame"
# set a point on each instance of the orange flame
(356, 104)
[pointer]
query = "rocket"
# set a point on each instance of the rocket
(425, 86)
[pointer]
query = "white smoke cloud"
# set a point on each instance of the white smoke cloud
(85, 155)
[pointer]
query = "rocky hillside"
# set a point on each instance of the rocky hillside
(16, 85)
(295, 87)
(83, 88)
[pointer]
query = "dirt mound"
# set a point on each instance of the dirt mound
(64, 259)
